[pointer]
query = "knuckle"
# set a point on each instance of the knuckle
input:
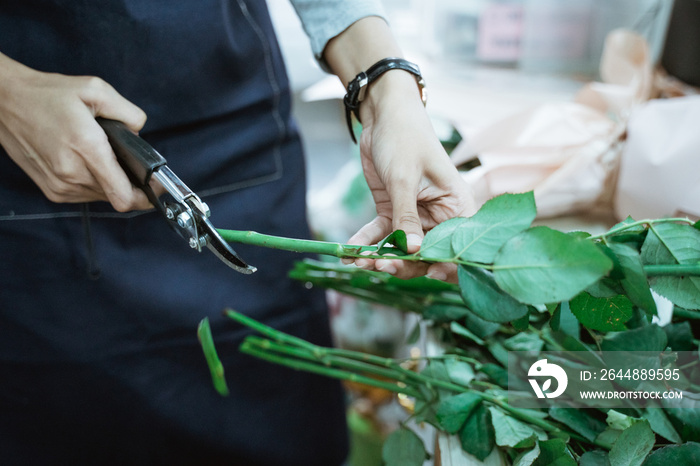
(57, 191)
(410, 219)
(123, 201)
(94, 83)
(67, 173)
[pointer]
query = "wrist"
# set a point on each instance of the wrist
(397, 86)
(386, 79)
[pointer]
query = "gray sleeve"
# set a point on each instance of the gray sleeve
(325, 19)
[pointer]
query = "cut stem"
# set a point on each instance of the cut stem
(252, 350)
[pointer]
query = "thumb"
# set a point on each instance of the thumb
(405, 217)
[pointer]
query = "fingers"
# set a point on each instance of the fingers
(109, 175)
(444, 272)
(402, 269)
(405, 215)
(106, 102)
(371, 233)
(48, 128)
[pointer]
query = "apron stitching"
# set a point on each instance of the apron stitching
(248, 183)
(47, 216)
(276, 92)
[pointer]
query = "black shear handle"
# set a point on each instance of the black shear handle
(135, 155)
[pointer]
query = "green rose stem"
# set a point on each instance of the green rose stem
(215, 367)
(299, 354)
(295, 245)
(626, 226)
(344, 251)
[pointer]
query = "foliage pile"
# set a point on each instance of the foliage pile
(521, 288)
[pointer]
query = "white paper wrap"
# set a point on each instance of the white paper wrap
(569, 153)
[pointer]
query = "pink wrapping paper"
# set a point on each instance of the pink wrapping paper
(567, 153)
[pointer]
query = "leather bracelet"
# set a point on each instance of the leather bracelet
(357, 88)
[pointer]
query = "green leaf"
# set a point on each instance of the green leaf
(509, 431)
(565, 321)
(602, 314)
(635, 281)
(647, 338)
(459, 372)
(524, 341)
(686, 421)
(633, 445)
(436, 369)
(554, 453)
(523, 323)
(527, 458)
(498, 351)
(594, 458)
(415, 334)
(499, 219)
(453, 412)
(485, 299)
(618, 421)
(541, 265)
(481, 327)
(675, 455)
(397, 239)
(616, 272)
(605, 288)
(403, 448)
(672, 243)
(579, 421)
(608, 436)
(496, 374)
(477, 435)
(680, 336)
(440, 313)
(462, 331)
(437, 244)
(661, 425)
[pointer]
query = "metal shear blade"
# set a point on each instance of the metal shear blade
(222, 250)
(185, 213)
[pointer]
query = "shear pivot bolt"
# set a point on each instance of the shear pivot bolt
(184, 220)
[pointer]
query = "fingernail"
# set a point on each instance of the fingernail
(347, 261)
(363, 264)
(388, 268)
(437, 275)
(413, 239)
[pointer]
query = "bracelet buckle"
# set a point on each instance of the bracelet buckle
(357, 88)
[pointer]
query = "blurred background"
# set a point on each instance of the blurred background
(482, 60)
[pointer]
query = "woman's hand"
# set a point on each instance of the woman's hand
(414, 184)
(48, 128)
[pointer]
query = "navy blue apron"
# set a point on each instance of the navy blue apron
(99, 360)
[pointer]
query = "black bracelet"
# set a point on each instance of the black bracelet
(357, 88)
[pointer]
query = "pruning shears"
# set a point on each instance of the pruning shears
(183, 210)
